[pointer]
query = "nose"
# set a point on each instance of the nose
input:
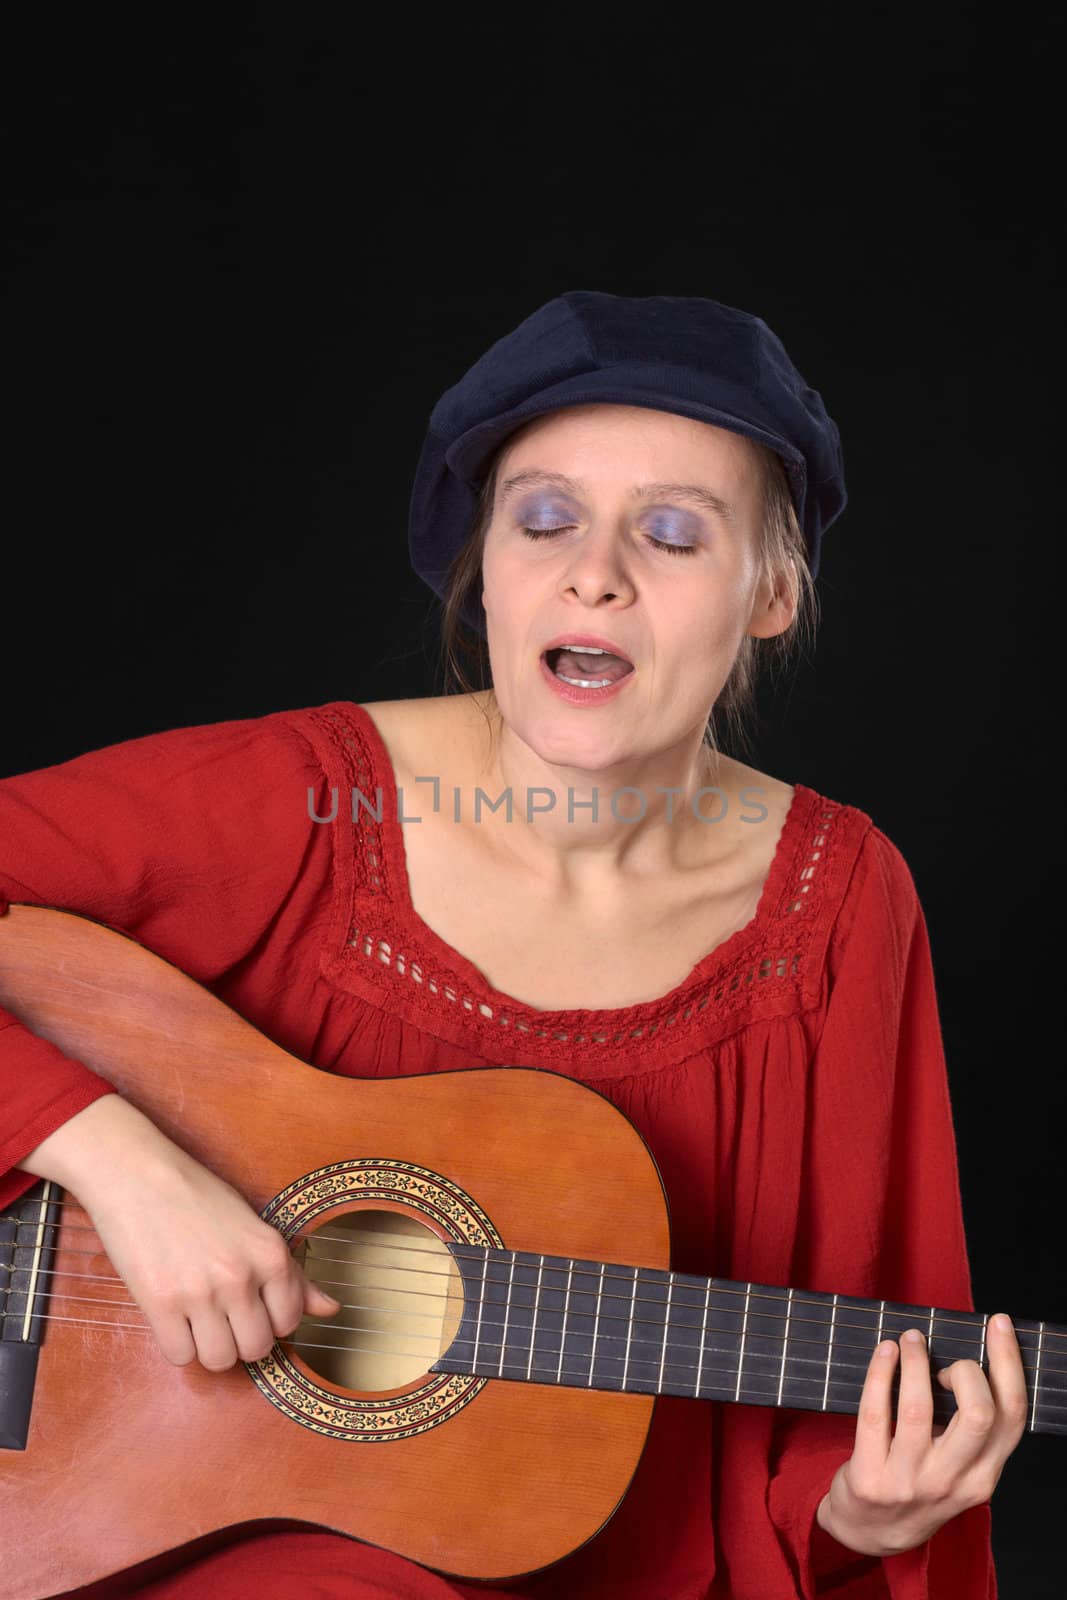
(596, 570)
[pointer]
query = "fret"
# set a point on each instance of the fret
(741, 1349)
(596, 1325)
(630, 1328)
(481, 1303)
(666, 1330)
(785, 1347)
(563, 1329)
(829, 1349)
(533, 1324)
(507, 1314)
(1037, 1374)
(703, 1337)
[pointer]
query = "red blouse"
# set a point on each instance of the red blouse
(792, 1090)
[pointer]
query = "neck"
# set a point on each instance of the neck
(580, 826)
(585, 1324)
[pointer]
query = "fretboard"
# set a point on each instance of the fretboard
(589, 1324)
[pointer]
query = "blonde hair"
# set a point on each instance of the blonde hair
(781, 550)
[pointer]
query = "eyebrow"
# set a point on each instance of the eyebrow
(695, 493)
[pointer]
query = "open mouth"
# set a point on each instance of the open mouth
(586, 668)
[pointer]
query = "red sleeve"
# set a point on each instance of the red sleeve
(188, 840)
(882, 1212)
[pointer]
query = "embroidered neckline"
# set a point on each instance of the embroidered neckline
(382, 942)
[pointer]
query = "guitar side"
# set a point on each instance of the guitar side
(128, 1456)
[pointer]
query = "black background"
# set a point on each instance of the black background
(248, 263)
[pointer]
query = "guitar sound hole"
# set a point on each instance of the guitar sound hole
(401, 1300)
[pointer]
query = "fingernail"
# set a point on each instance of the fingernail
(913, 1336)
(1002, 1324)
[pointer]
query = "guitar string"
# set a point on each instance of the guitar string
(730, 1391)
(575, 1312)
(62, 1294)
(631, 1300)
(477, 1255)
(524, 1363)
(843, 1344)
(1051, 1367)
(1046, 1369)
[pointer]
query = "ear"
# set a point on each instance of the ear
(774, 608)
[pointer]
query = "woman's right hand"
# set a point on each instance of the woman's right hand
(216, 1282)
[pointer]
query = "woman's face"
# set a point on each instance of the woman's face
(667, 576)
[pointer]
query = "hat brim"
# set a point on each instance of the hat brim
(468, 456)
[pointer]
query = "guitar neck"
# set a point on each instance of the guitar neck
(590, 1324)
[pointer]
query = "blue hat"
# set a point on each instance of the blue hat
(696, 357)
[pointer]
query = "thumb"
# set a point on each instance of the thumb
(314, 1297)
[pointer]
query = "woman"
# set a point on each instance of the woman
(747, 976)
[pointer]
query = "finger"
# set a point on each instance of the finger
(991, 1410)
(215, 1347)
(250, 1325)
(174, 1336)
(874, 1423)
(284, 1297)
(966, 1439)
(915, 1404)
(1007, 1379)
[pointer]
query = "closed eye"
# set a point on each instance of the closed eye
(660, 544)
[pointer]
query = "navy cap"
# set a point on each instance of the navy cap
(696, 357)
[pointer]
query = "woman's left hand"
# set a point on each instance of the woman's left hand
(898, 1489)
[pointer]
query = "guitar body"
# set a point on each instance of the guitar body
(128, 1456)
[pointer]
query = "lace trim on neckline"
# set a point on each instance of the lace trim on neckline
(387, 942)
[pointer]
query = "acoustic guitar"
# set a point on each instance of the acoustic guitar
(499, 1241)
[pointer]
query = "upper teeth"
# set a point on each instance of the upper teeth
(586, 649)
